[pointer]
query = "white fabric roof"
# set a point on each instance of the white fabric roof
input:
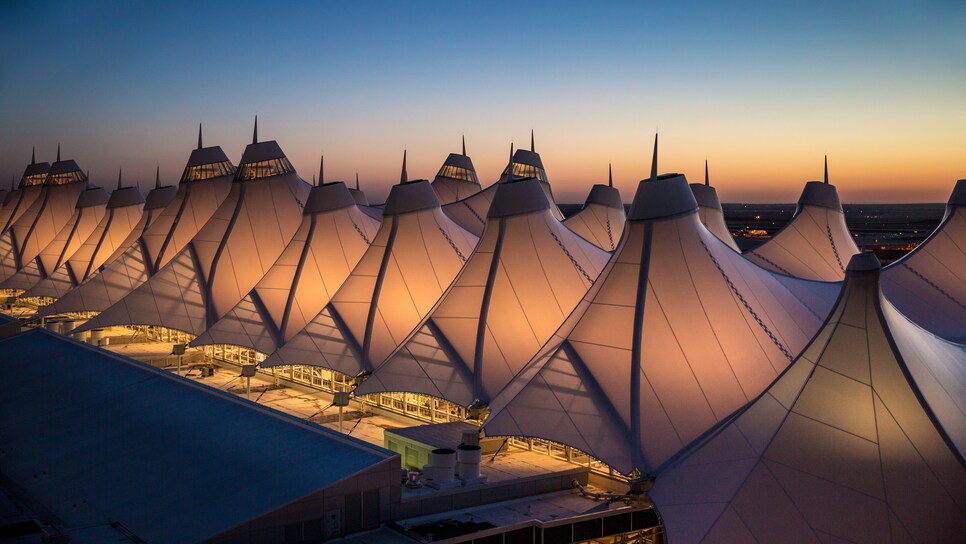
(332, 238)
(96, 438)
(470, 213)
(38, 226)
(711, 214)
(412, 260)
(90, 209)
(526, 276)
(841, 448)
(176, 225)
(15, 204)
(815, 244)
(601, 220)
(450, 189)
(677, 333)
(222, 263)
(929, 284)
(118, 229)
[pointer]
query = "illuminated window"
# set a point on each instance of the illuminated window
(263, 169)
(35, 179)
(455, 172)
(527, 171)
(66, 178)
(207, 171)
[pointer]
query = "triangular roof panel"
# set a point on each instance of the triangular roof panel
(90, 210)
(711, 214)
(19, 200)
(841, 448)
(227, 257)
(414, 257)
(332, 238)
(677, 333)
(601, 220)
(120, 226)
(815, 244)
(929, 284)
(46, 216)
(203, 188)
(526, 275)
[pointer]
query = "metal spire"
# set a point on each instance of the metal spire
(532, 148)
(826, 169)
(255, 132)
(357, 181)
(199, 136)
(404, 177)
(157, 178)
(654, 160)
(322, 170)
(509, 168)
(464, 145)
(58, 151)
(610, 175)
(118, 178)
(33, 155)
(707, 180)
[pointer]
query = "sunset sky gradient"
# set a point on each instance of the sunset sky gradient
(761, 89)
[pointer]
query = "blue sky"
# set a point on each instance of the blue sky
(762, 90)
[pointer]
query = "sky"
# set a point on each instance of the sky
(762, 90)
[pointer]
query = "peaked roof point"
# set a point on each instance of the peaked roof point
(826, 168)
(357, 181)
(654, 160)
(464, 145)
(157, 178)
(33, 155)
(532, 147)
(58, 151)
(322, 170)
(707, 180)
(255, 132)
(610, 175)
(118, 178)
(403, 176)
(199, 136)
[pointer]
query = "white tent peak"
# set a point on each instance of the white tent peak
(662, 196)
(127, 196)
(410, 197)
(95, 196)
(518, 197)
(327, 197)
(820, 194)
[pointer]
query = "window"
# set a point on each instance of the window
(527, 171)
(207, 171)
(35, 179)
(455, 172)
(66, 178)
(263, 169)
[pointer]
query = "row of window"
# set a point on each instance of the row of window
(455, 172)
(66, 178)
(207, 171)
(528, 171)
(264, 169)
(35, 179)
